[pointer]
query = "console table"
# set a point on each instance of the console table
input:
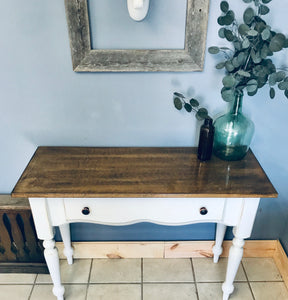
(118, 186)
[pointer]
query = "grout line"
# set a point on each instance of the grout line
(88, 282)
(113, 283)
(30, 295)
(250, 288)
(142, 287)
(194, 277)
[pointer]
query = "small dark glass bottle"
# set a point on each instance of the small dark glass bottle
(206, 140)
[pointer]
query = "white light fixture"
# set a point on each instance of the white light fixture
(138, 9)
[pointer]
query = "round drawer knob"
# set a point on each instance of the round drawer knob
(86, 211)
(203, 211)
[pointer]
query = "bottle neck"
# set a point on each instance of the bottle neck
(237, 104)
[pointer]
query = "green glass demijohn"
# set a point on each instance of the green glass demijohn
(233, 132)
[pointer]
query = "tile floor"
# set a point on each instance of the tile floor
(153, 279)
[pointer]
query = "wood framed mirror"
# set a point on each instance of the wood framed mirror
(86, 59)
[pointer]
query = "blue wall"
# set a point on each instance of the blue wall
(43, 102)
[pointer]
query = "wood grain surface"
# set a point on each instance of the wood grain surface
(139, 172)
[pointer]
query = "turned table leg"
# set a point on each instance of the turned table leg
(68, 250)
(45, 232)
(241, 231)
(217, 249)
(52, 260)
(234, 260)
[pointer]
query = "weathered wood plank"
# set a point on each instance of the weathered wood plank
(7, 202)
(84, 59)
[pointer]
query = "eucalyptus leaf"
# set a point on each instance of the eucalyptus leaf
(220, 21)
(229, 66)
(261, 82)
(179, 95)
(228, 18)
(280, 76)
(188, 107)
(248, 15)
(235, 62)
(201, 114)
(260, 25)
(220, 65)
(228, 35)
(228, 81)
(252, 93)
(264, 51)
(272, 93)
(263, 10)
(270, 66)
(224, 6)
(237, 45)
(213, 50)
(242, 58)
(252, 86)
(221, 33)
(277, 42)
(243, 29)
(244, 73)
(256, 57)
(260, 71)
(272, 79)
(283, 85)
(194, 102)
(252, 32)
(227, 95)
(245, 43)
(266, 1)
(265, 34)
(178, 103)
(286, 93)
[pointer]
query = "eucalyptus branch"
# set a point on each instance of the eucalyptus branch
(249, 66)
(191, 105)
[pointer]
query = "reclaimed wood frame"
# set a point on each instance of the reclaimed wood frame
(85, 59)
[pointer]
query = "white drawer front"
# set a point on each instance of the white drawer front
(119, 211)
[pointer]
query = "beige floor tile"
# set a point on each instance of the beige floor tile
(213, 291)
(78, 272)
(116, 270)
(15, 292)
(171, 291)
(207, 271)
(167, 270)
(72, 292)
(114, 292)
(261, 269)
(269, 290)
(17, 278)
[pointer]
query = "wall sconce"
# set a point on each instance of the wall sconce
(138, 9)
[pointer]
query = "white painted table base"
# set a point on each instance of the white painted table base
(237, 212)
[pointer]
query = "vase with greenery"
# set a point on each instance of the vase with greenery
(248, 66)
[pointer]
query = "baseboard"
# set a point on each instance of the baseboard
(281, 261)
(181, 249)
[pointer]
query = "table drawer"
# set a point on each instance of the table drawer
(119, 211)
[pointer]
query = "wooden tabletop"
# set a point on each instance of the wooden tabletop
(139, 172)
